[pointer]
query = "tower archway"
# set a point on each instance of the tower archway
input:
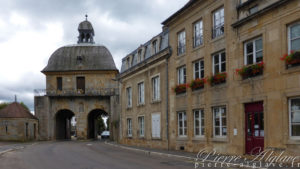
(63, 124)
(94, 118)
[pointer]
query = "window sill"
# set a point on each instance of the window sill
(220, 139)
(291, 69)
(155, 101)
(199, 138)
(141, 105)
(142, 138)
(182, 138)
(129, 137)
(294, 141)
(255, 78)
(180, 56)
(128, 108)
(217, 38)
(156, 138)
(198, 47)
(181, 94)
(197, 91)
(219, 86)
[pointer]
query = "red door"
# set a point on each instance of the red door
(254, 128)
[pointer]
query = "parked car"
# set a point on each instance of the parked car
(105, 135)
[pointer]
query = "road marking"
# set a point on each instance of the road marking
(89, 144)
(5, 151)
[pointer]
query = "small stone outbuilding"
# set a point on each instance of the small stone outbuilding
(17, 123)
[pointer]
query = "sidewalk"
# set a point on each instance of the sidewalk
(193, 157)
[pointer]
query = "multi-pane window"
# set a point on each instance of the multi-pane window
(182, 124)
(181, 43)
(59, 83)
(219, 62)
(295, 117)
(129, 127)
(141, 121)
(129, 96)
(253, 51)
(155, 88)
(294, 37)
(141, 92)
(199, 69)
(218, 22)
(181, 72)
(220, 123)
(199, 123)
(198, 33)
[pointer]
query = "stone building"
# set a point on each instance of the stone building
(144, 84)
(233, 77)
(17, 124)
(81, 83)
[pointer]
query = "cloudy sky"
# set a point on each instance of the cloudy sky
(31, 30)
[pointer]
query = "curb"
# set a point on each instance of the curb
(6, 151)
(151, 152)
(171, 155)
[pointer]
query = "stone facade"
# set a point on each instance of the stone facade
(231, 31)
(14, 129)
(81, 83)
(140, 68)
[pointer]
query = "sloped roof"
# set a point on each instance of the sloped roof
(187, 5)
(91, 57)
(15, 110)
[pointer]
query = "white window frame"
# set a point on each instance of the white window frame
(221, 125)
(200, 69)
(198, 33)
(129, 127)
(201, 126)
(220, 62)
(181, 42)
(129, 96)
(253, 41)
(289, 36)
(141, 93)
(184, 122)
(181, 75)
(215, 27)
(290, 119)
(141, 126)
(155, 88)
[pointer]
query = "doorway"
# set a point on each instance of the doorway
(63, 124)
(255, 133)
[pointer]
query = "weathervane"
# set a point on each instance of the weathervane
(86, 16)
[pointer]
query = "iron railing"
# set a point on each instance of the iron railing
(75, 92)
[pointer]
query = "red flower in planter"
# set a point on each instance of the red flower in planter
(181, 88)
(251, 70)
(218, 78)
(198, 83)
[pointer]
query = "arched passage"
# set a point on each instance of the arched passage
(93, 122)
(63, 124)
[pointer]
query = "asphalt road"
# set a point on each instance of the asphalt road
(85, 155)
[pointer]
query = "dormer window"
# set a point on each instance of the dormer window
(79, 59)
(128, 62)
(140, 55)
(154, 47)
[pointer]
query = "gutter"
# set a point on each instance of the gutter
(167, 97)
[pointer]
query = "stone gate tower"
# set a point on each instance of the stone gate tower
(81, 83)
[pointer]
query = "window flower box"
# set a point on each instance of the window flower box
(197, 84)
(181, 88)
(251, 71)
(292, 59)
(218, 78)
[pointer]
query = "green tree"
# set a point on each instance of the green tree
(100, 124)
(24, 105)
(107, 124)
(2, 105)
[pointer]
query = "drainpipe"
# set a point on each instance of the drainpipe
(167, 97)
